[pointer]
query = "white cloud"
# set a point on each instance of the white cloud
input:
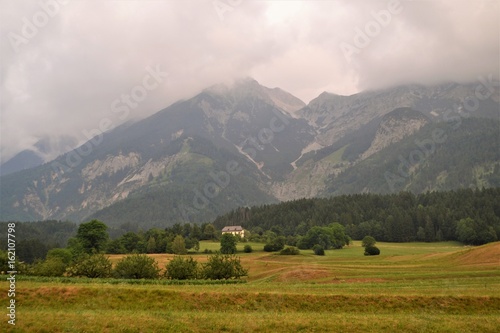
(89, 53)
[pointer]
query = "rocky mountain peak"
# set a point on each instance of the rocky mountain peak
(251, 88)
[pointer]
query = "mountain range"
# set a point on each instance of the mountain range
(245, 144)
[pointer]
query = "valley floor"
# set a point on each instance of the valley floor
(413, 287)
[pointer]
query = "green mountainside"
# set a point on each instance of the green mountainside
(197, 188)
(441, 156)
(245, 144)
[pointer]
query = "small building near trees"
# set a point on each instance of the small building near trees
(234, 230)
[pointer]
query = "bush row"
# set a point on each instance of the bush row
(139, 266)
(219, 267)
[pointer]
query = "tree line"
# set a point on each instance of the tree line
(85, 257)
(466, 215)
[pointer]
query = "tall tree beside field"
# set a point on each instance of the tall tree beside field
(93, 236)
(130, 241)
(196, 232)
(179, 245)
(209, 231)
(151, 247)
(228, 244)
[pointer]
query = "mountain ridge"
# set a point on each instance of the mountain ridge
(284, 148)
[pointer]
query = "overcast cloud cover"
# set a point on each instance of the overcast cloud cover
(64, 79)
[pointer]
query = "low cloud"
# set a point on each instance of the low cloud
(64, 79)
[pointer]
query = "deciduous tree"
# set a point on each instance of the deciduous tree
(93, 236)
(368, 241)
(228, 244)
(179, 245)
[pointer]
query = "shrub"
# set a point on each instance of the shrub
(275, 245)
(181, 269)
(269, 248)
(137, 266)
(318, 250)
(48, 267)
(207, 251)
(92, 266)
(372, 251)
(64, 254)
(290, 250)
(223, 267)
(247, 249)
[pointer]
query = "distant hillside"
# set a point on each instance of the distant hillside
(46, 149)
(26, 159)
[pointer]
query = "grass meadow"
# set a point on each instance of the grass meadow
(411, 287)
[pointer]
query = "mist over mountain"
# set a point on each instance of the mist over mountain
(44, 150)
(244, 144)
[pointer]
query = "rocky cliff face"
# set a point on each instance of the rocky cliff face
(309, 180)
(394, 127)
(335, 116)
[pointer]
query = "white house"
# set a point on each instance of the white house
(234, 229)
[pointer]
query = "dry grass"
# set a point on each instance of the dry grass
(409, 288)
(486, 255)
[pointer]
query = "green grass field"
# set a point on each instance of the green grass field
(413, 287)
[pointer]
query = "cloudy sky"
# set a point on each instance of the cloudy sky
(65, 65)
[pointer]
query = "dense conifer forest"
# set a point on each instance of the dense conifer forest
(470, 216)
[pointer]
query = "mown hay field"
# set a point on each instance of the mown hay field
(412, 287)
